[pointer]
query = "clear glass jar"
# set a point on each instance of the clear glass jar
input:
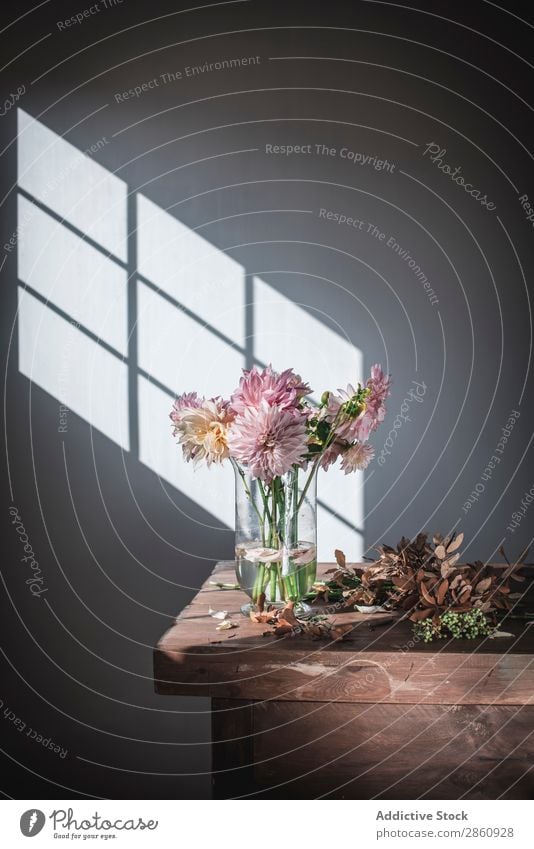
(276, 535)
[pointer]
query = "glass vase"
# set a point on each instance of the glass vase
(276, 535)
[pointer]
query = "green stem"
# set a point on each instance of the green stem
(250, 498)
(272, 586)
(295, 507)
(274, 535)
(258, 583)
(264, 499)
(328, 443)
(308, 482)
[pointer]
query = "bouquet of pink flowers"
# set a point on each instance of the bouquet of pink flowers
(269, 425)
(277, 439)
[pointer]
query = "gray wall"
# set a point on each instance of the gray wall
(121, 550)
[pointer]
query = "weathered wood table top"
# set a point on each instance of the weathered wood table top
(383, 664)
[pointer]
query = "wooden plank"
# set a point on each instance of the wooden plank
(363, 678)
(194, 629)
(384, 665)
(304, 751)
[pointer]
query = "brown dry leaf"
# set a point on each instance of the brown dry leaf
(265, 616)
(483, 585)
(450, 561)
(410, 601)
(339, 632)
(282, 628)
(288, 612)
(456, 543)
(421, 614)
(428, 598)
(340, 558)
(442, 591)
(464, 594)
(338, 575)
(286, 620)
(403, 582)
(440, 552)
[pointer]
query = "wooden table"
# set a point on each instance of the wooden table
(377, 715)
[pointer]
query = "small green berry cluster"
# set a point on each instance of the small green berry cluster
(467, 626)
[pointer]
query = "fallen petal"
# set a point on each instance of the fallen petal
(218, 614)
(226, 626)
(370, 608)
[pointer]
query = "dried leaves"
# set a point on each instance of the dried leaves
(286, 623)
(365, 588)
(427, 580)
(420, 577)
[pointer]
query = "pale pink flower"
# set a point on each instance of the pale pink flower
(358, 456)
(268, 440)
(331, 454)
(183, 402)
(283, 390)
(373, 413)
(379, 384)
(364, 426)
(202, 429)
(348, 428)
(345, 428)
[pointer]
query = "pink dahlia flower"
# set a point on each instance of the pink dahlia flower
(346, 428)
(360, 427)
(183, 402)
(358, 456)
(202, 428)
(379, 384)
(283, 390)
(269, 440)
(331, 454)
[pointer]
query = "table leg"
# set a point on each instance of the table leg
(232, 748)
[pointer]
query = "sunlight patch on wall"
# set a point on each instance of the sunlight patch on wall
(191, 270)
(77, 278)
(80, 373)
(71, 184)
(179, 352)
